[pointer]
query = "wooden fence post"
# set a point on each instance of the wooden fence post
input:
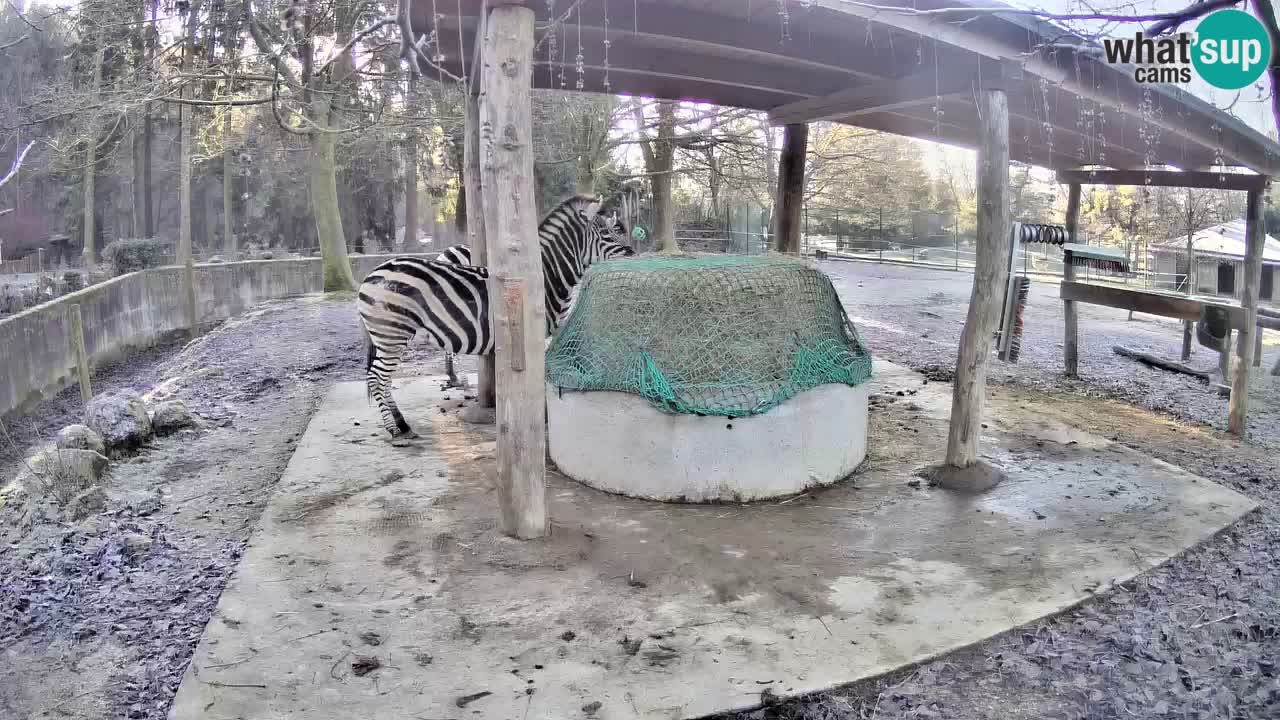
(75, 324)
(1238, 407)
(1070, 329)
(989, 278)
(516, 297)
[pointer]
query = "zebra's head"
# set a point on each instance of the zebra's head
(603, 236)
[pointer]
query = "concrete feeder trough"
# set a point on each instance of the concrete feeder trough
(619, 443)
(707, 378)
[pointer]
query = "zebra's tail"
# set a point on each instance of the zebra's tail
(370, 352)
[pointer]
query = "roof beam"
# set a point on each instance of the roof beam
(878, 96)
(1105, 93)
(1166, 178)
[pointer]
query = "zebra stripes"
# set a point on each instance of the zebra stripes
(447, 298)
(456, 254)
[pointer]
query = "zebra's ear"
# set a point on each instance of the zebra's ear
(591, 208)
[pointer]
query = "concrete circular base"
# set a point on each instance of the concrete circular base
(619, 443)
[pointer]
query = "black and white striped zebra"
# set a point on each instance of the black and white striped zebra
(457, 255)
(450, 302)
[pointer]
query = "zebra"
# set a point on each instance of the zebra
(457, 255)
(450, 302)
(461, 255)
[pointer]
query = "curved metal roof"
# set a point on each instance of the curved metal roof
(900, 72)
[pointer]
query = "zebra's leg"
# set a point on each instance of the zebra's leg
(450, 370)
(383, 360)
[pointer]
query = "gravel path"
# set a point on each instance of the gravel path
(98, 618)
(914, 317)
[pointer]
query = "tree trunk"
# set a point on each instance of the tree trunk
(517, 308)
(1255, 239)
(989, 279)
(1070, 321)
(790, 197)
(659, 155)
(91, 174)
(410, 237)
(185, 147)
(231, 247)
(324, 206)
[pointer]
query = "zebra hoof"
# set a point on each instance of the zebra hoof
(404, 439)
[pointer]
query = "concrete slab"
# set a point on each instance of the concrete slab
(635, 609)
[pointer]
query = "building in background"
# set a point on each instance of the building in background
(1219, 262)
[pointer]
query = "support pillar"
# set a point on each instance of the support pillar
(962, 470)
(1070, 331)
(1237, 414)
(476, 238)
(516, 297)
(788, 219)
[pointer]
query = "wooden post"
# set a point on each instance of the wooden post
(1238, 409)
(1257, 346)
(476, 232)
(1224, 358)
(75, 325)
(790, 202)
(989, 278)
(1070, 337)
(516, 296)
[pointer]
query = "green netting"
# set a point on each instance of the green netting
(707, 334)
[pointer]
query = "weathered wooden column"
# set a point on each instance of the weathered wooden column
(962, 470)
(1070, 330)
(1238, 409)
(515, 264)
(788, 218)
(476, 238)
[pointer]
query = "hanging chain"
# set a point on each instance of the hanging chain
(607, 43)
(580, 62)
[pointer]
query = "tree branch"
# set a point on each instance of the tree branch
(17, 165)
(1267, 14)
(8, 45)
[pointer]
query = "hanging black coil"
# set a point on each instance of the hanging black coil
(1038, 233)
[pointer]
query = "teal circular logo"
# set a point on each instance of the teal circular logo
(1232, 49)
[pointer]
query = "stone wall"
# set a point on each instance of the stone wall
(137, 310)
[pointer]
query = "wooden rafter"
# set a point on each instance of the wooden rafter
(1166, 178)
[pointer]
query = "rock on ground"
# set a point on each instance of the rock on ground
(81, 437)
(121, 419)
(171, 416)
(89, 502)
(62, 473)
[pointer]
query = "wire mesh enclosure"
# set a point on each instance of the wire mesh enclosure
(707, 334)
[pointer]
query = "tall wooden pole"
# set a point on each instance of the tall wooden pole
(475, 230)
(790, 203)
(1070, 331)
(1254, 238)
(989, 278)
(516, 297)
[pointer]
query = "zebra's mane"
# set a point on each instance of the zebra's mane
(574, 203)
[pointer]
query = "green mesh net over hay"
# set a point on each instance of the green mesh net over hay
(707, 334)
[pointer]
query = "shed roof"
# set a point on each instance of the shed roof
(1226, 239)
(910, 74)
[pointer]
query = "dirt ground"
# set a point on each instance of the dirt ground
(99, 618)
